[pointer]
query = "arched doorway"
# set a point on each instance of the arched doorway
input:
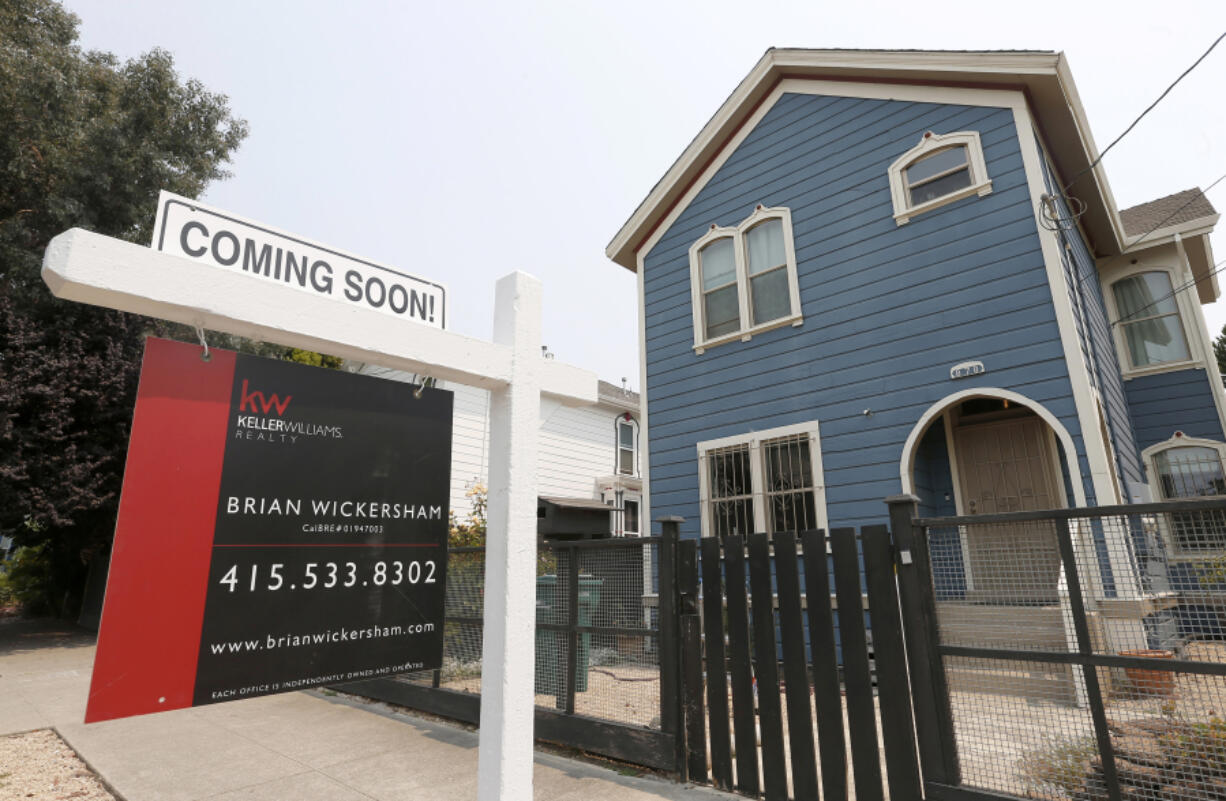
(990, 451)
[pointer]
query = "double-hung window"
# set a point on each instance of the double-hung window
(743, 278)
(721, 310)
(765, 481)
(627, 446)
(1149, 321)
(940, 169)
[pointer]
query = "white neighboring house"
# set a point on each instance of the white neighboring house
(587, 453)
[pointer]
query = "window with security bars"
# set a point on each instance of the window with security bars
(788, 487)
(1193, 472)
(767, 481)
(731, 491)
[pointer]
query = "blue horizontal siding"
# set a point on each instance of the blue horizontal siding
(1094, 334)
(1164, 403)
(887, 308)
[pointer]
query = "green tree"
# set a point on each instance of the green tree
(86, 141)
(1219, 350)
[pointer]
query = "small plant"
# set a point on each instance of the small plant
(470, 532)
(1063, 766)
(599, 657)
(1198, 749)
(1214, 573)
(454, 669)
(28, 581)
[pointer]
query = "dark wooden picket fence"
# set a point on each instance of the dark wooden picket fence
(754, 625)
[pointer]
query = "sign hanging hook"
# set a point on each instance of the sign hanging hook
(204, 357)
(422, 382)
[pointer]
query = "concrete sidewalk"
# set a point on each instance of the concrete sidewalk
(293, 747)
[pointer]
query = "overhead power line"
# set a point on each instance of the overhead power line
(1217, 268)
(1127, 130)
(1061, 225)
(1203, 193)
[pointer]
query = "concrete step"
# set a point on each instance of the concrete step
(1053, 684)
(1035, 627)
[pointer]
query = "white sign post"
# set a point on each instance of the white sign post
(102, 271)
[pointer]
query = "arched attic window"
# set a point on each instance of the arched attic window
(940, 169)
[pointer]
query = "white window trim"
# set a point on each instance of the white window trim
(1179, 440)
(633, 425)
(630, 497)
(737, 234)
(754, 440)
(980, 185)
(1196, 351)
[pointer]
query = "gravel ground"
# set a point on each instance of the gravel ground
(39, 765)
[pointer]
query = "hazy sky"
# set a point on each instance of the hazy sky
(463, 140)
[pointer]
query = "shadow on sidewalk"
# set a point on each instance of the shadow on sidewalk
(21, 635)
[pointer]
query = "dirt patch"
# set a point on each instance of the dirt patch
(39, 765)
(625, 693)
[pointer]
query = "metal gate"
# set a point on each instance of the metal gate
(783, 616)
(1114, 689)
(605, 646)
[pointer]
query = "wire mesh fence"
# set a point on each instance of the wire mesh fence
(1107, 681)
(596, 622)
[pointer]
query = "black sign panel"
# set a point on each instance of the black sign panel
(329, 556)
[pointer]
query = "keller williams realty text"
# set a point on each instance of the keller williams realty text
(369, 510)
(247, 426)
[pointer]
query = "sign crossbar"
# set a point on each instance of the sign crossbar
(102, 271)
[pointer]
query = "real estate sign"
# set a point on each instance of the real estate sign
(190, 229)
(280, 527)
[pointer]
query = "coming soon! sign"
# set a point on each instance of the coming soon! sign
(190, 229)
(280, 527)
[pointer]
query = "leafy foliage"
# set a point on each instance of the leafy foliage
(29, 580)
(1219, 351)
(86, 142)
(470, 532)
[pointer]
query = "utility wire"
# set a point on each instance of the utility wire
(1217, 268)
(1203, 193)
(1166, 92)
(1096, 273)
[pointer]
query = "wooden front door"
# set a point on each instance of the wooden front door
(1010, 466)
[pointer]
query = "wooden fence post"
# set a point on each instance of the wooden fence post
(934, 724)
(672, 714)
(691, 662)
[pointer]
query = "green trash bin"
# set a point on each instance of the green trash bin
(548, 672)
(589, 599)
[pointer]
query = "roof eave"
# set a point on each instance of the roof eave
(1200, 259)
(1202, 226)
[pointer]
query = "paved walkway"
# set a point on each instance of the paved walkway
(296, 747)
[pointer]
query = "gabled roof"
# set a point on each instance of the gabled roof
(1187, 215)
(1171, 211)
(1043, 76)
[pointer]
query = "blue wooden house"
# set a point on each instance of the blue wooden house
(884, 272)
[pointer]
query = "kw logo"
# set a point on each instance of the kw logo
(261, 404)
